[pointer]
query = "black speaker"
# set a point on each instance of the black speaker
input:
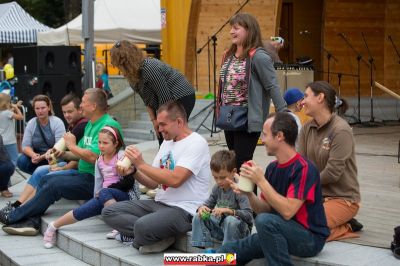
(56, 87)
(47, 60)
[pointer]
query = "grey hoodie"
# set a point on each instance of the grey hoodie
(262, 87)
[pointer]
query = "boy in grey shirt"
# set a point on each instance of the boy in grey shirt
(225, 216)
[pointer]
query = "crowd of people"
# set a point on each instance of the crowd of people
(307, 196)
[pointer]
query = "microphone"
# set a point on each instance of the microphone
(341, 34)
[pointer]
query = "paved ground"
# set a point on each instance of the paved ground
(379, 176)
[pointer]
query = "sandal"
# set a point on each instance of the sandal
(6, 194)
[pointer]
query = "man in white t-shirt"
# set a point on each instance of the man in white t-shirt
(181, 170)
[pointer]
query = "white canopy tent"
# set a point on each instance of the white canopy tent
(17, 26)
(133, 20)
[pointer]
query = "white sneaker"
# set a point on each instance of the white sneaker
(143, 189)
(157, 247)
(151, 193)
(112, 234)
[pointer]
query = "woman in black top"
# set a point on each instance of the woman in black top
(155, 81)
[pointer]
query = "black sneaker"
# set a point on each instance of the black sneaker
(126, 240)
(29, 227)
(5, 213)
(355, 225)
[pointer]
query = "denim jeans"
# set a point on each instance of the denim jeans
(203, 231)
(12, 151)
(94, 206)
(276, 239)
(25, 164)
(43, 170)
(6, 170)
(74, 186)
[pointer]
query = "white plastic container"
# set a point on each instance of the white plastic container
(124, 163)
(245, 184)
(60, 145)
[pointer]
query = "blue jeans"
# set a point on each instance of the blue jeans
(94, 206)
(203, 231)
(276, 239)
(75, 186)
(12, 151)
(25, 164)
(43, 170)
(6, 170)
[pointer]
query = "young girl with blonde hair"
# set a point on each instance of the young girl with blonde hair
(8, 114)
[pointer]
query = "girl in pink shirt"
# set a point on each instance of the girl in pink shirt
(109, 187)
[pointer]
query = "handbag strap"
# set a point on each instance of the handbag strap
(42, 133)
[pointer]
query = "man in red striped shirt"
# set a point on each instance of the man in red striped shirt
(290, 215)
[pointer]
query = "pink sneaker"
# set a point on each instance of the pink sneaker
(49, 238)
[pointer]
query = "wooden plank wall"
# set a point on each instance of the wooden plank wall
(375, 18)
(210, 16)
(392, 61)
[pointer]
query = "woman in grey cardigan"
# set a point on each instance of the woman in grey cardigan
(247, 78)
(40, 135)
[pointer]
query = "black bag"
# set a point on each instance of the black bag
(125, 184)
(232, 118)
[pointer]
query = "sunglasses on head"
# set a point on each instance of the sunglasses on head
(117, 44)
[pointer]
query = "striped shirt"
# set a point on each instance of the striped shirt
(299, 179)
(160, 83)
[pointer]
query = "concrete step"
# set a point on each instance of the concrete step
(139, 134)
(86, 241)
(132, 141)
(139, 124)
(142, 116)
(17, 250)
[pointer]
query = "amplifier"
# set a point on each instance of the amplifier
(297, 76)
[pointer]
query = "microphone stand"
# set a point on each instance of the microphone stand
(359, 58)
(394, 47)
(329, 56)
(214, 44)
(372, 67)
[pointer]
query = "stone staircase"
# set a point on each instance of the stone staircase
(141, 129)
(85, 243)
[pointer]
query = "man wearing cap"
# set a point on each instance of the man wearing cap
(273, 46)
(293, 98)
